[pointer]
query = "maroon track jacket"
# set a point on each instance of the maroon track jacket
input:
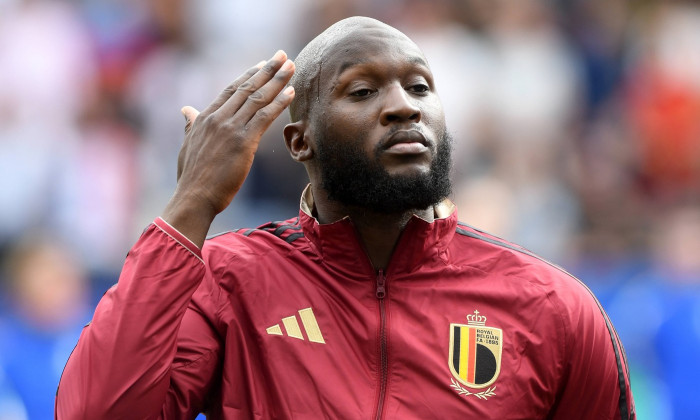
(290, 321)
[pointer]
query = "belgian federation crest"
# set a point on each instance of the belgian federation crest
(475, 352)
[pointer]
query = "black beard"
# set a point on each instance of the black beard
(351, 178)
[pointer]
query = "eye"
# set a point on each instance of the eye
(419, 88)
(361, 93)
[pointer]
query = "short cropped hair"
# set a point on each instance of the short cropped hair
(309, 63)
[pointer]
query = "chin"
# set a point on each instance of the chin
(408, 171)
(406, 164)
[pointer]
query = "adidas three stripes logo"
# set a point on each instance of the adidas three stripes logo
(293, 329)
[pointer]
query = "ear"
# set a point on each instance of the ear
(297, 141)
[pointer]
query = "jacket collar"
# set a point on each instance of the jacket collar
(339, 246)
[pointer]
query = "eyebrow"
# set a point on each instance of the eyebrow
(413, 59)
(350, 64)
(417, 60)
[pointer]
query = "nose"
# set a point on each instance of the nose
(398, 106)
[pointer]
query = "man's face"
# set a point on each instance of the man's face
(379, 125)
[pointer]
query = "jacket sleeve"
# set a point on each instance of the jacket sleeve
(147, 353)
(595, 378)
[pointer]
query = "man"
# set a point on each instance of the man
(374, 302)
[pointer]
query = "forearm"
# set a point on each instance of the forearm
(120, 367)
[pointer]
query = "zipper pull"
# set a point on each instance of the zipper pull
(381, 285)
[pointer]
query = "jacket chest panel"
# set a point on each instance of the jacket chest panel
(318, 335)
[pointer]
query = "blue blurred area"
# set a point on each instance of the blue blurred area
(577, 128)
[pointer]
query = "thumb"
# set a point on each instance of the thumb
(190, 114)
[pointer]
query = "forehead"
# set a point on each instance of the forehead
(371, 46)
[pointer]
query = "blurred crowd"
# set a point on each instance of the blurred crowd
(576, 126)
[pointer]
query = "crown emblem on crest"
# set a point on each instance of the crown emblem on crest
(476, 319)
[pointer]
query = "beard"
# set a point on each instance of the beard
(350, 177)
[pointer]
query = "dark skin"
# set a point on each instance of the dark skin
(220, 144)
(376, 91)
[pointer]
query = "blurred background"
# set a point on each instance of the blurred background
(577, 127)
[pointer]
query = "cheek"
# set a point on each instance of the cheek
(433, 114)
(353, 121)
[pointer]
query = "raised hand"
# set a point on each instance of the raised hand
(220, 144)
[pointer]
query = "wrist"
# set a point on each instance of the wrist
(190, 215)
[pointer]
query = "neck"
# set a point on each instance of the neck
(378, 232)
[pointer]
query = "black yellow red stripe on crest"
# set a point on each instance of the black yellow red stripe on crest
(475, 354)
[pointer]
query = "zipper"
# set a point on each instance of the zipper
(383, 357)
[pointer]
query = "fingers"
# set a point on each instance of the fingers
(259, 90)
(265, 116)
(257, 102)
(253, 100)
(190, 114)
(231, 89)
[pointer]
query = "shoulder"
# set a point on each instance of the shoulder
(573, 301)
(287, 230)
(593, 353)
(251, 249)
(490, 253)
(272, 235)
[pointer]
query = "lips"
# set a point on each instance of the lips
(407, 142)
